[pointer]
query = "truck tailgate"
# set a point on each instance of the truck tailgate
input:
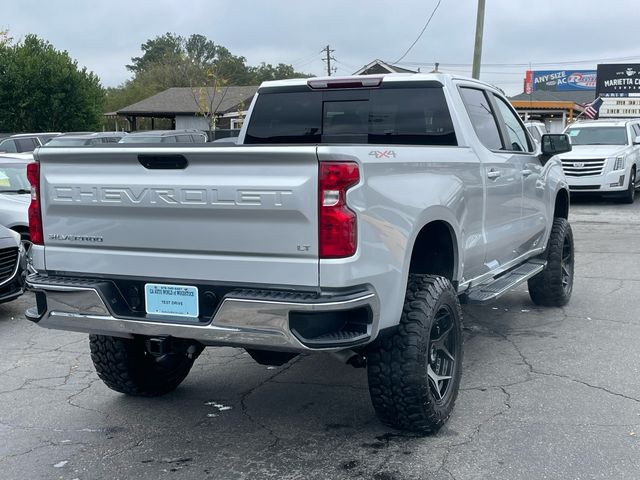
(232, 214)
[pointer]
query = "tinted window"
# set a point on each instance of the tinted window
(417, 116)
(184, 139)
(26, 144)
(636, 130)
(198, 138)
(598, 136)
(286, 118)
(170, 139)
(517, 136)
(482, 117)
(8, 146)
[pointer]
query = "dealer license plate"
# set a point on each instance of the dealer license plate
(178, 300)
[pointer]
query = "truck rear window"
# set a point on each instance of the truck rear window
(409, 116)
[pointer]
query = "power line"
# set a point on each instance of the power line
(421, 32)
(346, 64)
(308, 62)
(520, 65)
(304, 58)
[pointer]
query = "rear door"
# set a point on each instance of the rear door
(235, 215)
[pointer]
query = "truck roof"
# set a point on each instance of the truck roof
(443, 78)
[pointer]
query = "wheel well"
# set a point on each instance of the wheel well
(561, 209)
(434, 251)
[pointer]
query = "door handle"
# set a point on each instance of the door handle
(526, 173)
(493, 174)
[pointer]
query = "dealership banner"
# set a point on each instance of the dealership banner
(618, 80)
(559, 80)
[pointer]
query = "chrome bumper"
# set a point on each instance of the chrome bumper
(245, 318)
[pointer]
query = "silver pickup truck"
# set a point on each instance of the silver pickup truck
(352, 217)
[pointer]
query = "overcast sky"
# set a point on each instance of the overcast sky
(104, 35)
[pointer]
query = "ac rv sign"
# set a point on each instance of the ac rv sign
(560, 80)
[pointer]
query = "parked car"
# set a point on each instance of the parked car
(25, 142)
(536, 129)
(166, 136)
(350, 219)
(605, 157)
(13, 265)
(227, 140)
(15, 196)
(100, 138)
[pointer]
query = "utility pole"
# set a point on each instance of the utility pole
(477, 50)
(328, 51)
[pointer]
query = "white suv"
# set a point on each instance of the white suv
(536, 129)
(605, 157)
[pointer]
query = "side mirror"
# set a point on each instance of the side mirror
(554, 144)
(636, 141)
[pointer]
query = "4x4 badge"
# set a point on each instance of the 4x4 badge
(382, 153)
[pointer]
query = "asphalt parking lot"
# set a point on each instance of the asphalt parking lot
(546, 393)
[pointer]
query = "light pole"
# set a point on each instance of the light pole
(477, 51)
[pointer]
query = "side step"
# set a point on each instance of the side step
(507, 281)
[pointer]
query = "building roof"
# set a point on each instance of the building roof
(184, 101)
(578, 97)
(378, 66)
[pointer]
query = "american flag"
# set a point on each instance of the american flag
(592, 110)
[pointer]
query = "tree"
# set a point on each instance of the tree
(209, 97)
(165, 49)
(193, 57)
(5, 39)
(171, 60)
(43, 89)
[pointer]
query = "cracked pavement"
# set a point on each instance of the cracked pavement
(546, 393)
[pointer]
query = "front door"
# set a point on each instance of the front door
(521, 150)
(502, 171)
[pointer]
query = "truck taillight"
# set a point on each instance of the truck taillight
(337, 223)
(35, 215)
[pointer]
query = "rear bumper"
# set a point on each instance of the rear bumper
(263, 319)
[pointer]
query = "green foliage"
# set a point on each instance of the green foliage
(5, 39)
(171, 60)
(42, 89)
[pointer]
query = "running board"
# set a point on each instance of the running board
(506, 282)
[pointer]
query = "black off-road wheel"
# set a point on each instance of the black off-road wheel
(630, 195)
(126, 366)
(553, 286)
(414, 373)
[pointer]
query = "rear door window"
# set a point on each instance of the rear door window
(482, 117)
(412, 115)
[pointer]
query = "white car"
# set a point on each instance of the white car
(536, 129)
(15, 194)
(605, 157)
